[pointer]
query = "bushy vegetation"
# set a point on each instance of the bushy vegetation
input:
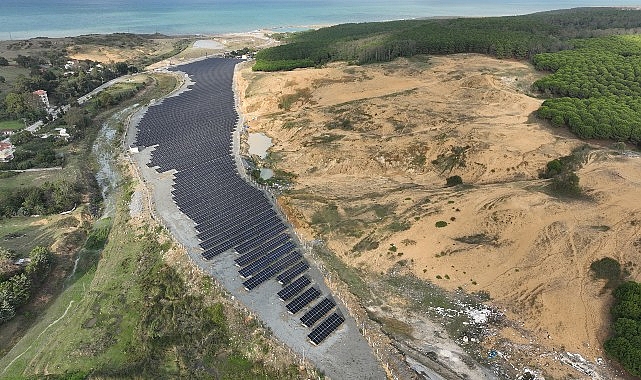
(34, 152)
(561, 171)
(519, 37)
(18, 289)
(453, 181)
(625, 343)
(49, 198)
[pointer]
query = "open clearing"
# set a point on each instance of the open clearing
(370, 148)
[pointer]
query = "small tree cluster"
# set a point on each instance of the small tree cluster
(16, 291)
(625, 344)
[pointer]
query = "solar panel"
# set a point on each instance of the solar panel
(325, 328)
(294, 288)
(302, 300)
(317, 312)
(270, 271)
(255, 254)
(287, 276)
(267, 259)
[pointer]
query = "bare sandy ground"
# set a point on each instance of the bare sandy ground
(364, 138)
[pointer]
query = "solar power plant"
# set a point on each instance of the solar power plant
(325, 328)
(317, 312)
(294, 288)
(192, 136)
(295, 305)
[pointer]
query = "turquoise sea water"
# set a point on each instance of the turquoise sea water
(57, 18)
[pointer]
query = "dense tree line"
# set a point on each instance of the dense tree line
(599, 84)
(49, 198)
(17, 289)
(519, 37)
(625, 343)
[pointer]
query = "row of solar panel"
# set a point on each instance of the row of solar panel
(314, 314)
(208, 189)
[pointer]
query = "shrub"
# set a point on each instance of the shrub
(566, 184)
(607, 269)
(453, 181)
(441, 224)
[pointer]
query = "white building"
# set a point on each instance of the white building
(42, 94)
(6, 151)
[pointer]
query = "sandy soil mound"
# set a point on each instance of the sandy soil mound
(371, 147)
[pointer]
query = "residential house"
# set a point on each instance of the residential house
(6, 151)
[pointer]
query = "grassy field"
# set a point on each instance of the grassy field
(21, 234)
(10, 74)
(11, 125)
(107, 322)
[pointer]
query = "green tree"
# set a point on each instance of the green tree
(625, 343)
(16, 290)
(7, 311)
(566, 184)
(40, 264)
(16, 104)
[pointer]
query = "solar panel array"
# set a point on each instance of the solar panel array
(193, 135)
(325, 328)
(317, 312)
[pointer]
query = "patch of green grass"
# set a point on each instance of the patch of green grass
(393, 326)
(366, 244)
(302, 96)
(382, 211)
(22, 234)
(397, 226)
(291, 124)
(329, 219)
(11, 125)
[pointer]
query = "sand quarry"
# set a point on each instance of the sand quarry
(361, 142)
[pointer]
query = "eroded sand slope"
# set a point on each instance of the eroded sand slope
(362, 140)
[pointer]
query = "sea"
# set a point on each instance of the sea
(21, 19)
